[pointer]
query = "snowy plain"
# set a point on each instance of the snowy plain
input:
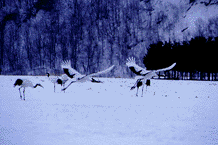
(171, 112)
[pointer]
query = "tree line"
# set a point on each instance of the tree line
(37, 35)
(196, 58)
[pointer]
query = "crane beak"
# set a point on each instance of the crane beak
(41, 86)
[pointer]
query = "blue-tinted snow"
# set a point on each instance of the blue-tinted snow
(170, 113)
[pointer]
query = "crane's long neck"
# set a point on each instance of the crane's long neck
(38, 85)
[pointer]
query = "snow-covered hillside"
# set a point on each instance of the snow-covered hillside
(170, 113)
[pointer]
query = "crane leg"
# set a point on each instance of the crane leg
(20, 94)
(24, 94)
(137, 92)
(142, 89)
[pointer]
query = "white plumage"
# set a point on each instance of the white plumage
(72, 73)
(135, 68)
(52, 79)
(69, 71)
(146, 74)
(62, 80)
(25, 83)
(143, 71)
(58, 79)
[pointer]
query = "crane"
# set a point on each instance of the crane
(146, 74)
(72, 73)
(23, 83)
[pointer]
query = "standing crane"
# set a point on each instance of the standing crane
(23, 83)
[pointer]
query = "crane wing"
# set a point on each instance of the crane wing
(83, 77)
(68, 70)
(167, 68)
(135, 68)
(101, 72)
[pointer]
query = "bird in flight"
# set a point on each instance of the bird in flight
(72, 73)
(143, 71)
(146, 74)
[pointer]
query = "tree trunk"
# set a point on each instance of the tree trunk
(208, 76)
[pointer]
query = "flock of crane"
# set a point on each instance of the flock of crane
(75, 76)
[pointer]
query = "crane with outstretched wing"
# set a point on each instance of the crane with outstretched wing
(72, 73)
(146, 74)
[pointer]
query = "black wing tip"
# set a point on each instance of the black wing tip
(134, 71)
(66, 71)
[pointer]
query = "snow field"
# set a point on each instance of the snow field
(169, 113)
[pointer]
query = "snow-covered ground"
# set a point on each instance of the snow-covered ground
(170, 113)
